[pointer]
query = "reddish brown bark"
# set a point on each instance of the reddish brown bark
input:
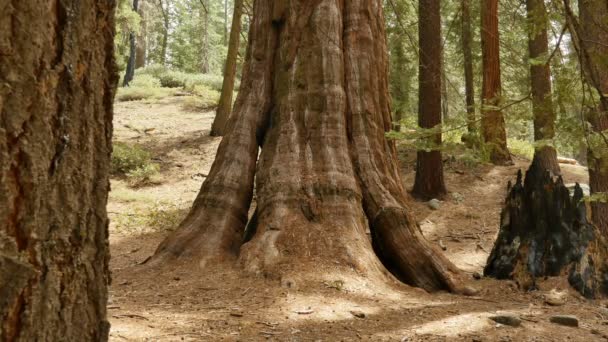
(57, 84)
(468, 66)
(593, 36)
(429, 181)
(315, 97)
(540, 79)
(492, 120)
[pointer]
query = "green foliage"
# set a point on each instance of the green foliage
(127, 158)
(521, 148)
(143, 175)
(145, 81)
(204, 98)
(126, 21)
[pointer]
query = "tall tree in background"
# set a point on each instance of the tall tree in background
(130, 72)
(591, 35)
(57, 83)
(540, 79)
(315, 94)
(141, 48)
(163, 6)
(429, 181)
(468, 66)
(225, 105)
(492, 121)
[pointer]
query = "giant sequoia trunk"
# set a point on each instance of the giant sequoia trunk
(540, 79)
(57, 80)
(225, 105)
(429, 181)
(492, 120)
(544, 231)
(592, 41)
(314, 97)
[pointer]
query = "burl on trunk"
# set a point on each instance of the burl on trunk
(314, 98)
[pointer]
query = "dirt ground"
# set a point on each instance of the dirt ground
(225, 305)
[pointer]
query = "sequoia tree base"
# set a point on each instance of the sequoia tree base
(544, 231)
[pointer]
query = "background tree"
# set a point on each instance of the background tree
(321, 111)
(130, 72)
(141, 48)
(492, 122)
(57, 82)
(540, 79)
(429, 181)
(225, 105)
(468, 66)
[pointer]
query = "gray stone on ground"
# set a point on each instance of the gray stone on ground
(567, 320)
(556, 298)
(434, 204)
(506, 319)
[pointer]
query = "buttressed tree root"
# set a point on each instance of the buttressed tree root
(314, 97)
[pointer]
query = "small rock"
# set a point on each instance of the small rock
(434, 204)
(567, 320)
(556, 298)
(507, 319)
(358, 314)
(477, 275)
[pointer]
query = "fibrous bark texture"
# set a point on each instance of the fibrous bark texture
(492, 120)
(540, 79)
(57, 82)
(544, 231)
(429, 181)
(225, 105)
(314, 97)
(594, 50)
(468, 66)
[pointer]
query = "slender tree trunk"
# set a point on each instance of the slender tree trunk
(142, 38)
(540, 79)
(130, 72)
(594, 50)
(400, 84)
(225, 106)
(493, 122)
(429, 181)
(226, 22)
(165, 38)
(204, 66)
(57, 84)
(468, 67)
(315, 94)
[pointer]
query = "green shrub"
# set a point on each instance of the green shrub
(521, 148)
(204, 98)
(145, 174)
(127, 158)
(211, 81)
(145, 81)
(155, 70)
(173, 79)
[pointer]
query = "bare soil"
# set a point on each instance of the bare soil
(185, 304)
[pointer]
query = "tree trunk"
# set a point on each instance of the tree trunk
(314, 96)
(544, 232)
(165, 39)
(142, 38)
(468, 67)
(429, 181)
(225, 106)
(540, 79)
(130, 72)
(57, 84)
(204, 65)
(492, 120)
(593, 38)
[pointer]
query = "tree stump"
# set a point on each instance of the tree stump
(544, 231)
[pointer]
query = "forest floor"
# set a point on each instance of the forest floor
(225, 305)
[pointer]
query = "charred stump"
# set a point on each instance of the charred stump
(544, 231)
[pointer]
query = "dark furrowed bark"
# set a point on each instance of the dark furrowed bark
(215, 224)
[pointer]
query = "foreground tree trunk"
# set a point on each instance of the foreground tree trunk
(130, 72)
(468, 66)
(540, 79)
(429, 181)
(57, 81)
(492, 120)
(225, 106)
(594, 50)
(545, 232)
(314, 96)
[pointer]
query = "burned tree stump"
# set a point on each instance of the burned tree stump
(544, 232)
